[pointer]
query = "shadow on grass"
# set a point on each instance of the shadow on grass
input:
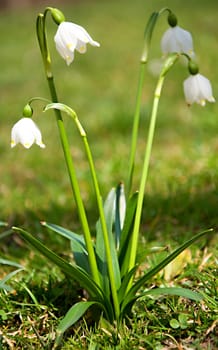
(180, 215)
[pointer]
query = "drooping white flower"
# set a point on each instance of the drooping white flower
(197, 88)
(176, 39)
(26, 132)
(70, 37)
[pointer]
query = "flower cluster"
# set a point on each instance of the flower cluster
(70, 37)
(197, 88)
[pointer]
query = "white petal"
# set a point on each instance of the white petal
(71, 36)
(176, 39)
(81, 47)
(82, 34)
(65, 42)
(165, 40)
(184, 40)
(190, 90)
(26, 132)
(197, 88)
(205, 88)
(79, 32)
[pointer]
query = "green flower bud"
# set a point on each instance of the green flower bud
(57, 16)
(193, 67)
(27, 111)
(172, 20)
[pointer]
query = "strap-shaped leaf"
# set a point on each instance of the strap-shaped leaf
(120, 213)
(74, 272)
(66, 233)
(125, 282)
(125, 243)
(72, 316)
(2, 223)
(10, 263)
(181, 292)
(77, 244)
(8, 277)
(109, 210)
(131, 295)
(80, 256)
(100, 246)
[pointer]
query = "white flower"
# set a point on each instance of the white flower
(26, 132)
(198, 89)
(176, 39)
(70, 37)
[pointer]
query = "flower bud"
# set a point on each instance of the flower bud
(193, 67)
(57, 16)
(172, 20)
(27, 111)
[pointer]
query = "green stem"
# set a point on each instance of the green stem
(104, 229)
(144, 58)
(145, 173)
(41, 34)
(73, 115)
(135, 127)
(169, 62)
(74, 185)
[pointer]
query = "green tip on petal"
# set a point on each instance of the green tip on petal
(27, 111)
(57, 16)
(172, 20)
(193, 67)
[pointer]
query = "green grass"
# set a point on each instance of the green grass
(182, 193)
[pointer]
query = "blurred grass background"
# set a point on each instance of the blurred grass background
(182, 194)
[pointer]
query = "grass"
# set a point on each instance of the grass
(181, 197)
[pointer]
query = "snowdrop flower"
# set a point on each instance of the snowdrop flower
(176, 39)
(26, 132)
(70, 37)
(198, 89)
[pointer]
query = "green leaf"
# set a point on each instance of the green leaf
(125, 283)
(10, 263)
(72, 316)
(131, 296)
(174, 323)
(181, 292)
(125, 242)
(74, 272)
(120, 213)
(66, 233)
(140, 258)
(109, 207)
(2, 223)
(100, 246)
(6, 278)
(77, 245)
(148, 35)
(80, 256)
(183, 320)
